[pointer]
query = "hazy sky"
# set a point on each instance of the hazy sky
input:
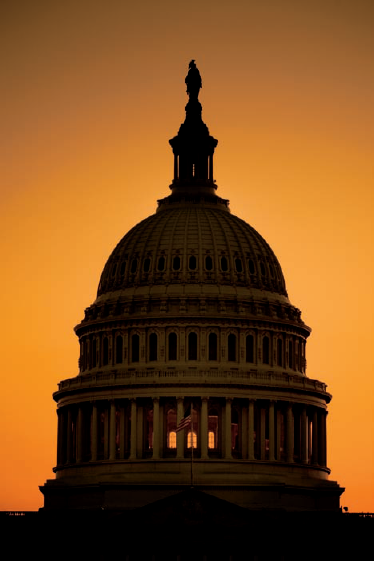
(91, 91)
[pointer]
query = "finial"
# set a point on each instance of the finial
(193, 81)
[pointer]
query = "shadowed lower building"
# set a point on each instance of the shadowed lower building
(192, 317)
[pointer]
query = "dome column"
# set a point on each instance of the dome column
(133, 430)
(322, 438)
(204, 428)
(156, 428)
(69, 437)
(251, 430)
(112, 431)
(315, 437)
(228, 454)
(79, 431)
(180, 434)
(271, 431)
(289, 433)
(304, 436)
(94, 433)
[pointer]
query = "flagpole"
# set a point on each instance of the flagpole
(191, 444)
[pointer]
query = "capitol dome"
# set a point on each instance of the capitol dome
(192, 366)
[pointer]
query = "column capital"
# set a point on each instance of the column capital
(204, 398)
(156, 398)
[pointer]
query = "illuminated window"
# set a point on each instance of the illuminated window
(172, 441)
(191, 439)
(211, 440)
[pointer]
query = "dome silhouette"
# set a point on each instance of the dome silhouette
(192, 366)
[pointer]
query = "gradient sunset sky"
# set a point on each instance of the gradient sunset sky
(91, 92)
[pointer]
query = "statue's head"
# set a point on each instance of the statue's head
(192, 64)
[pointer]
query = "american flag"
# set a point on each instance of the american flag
(185, 421)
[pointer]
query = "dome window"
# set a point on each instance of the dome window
(231, 344)
(135, 348)
(251, 267)
(212, 346)
(161, 264)
(266, 350)
(192, 263)
(176, 263)
(114, 269)
(224, 264)
(290, 354)
(123, 268)
(105, 351)
(262, 267)
(153, 346)
(134, 265)
(192, 346)
(119, 349)
(208, 263)
(146, 265)
(238, 265)
(280, 352)
(249, 344)
(172, 346)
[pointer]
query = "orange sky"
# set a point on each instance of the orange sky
(91, 93)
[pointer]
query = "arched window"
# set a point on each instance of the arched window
(208, 263)
(249, 344)
(172, 340)
(192, 439)
(105, 351)
(172, 439)
(123, 268)
(135, 348)
(171, 428)
(161, 264)
(251, 267)
(262, 268)
(119, 349)
(224, 264)
(231, 347)
(212, 340)
(146, 265)
(279, 352)
(211, 440)
(192, 263)
(176, 263)
(134, 265)
(192, 346)
(94, 352)
(153, 346)
(266, 350)
(290, 354)
(238, 265)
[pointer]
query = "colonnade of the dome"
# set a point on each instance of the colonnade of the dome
(226, 428)
(173, 345)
